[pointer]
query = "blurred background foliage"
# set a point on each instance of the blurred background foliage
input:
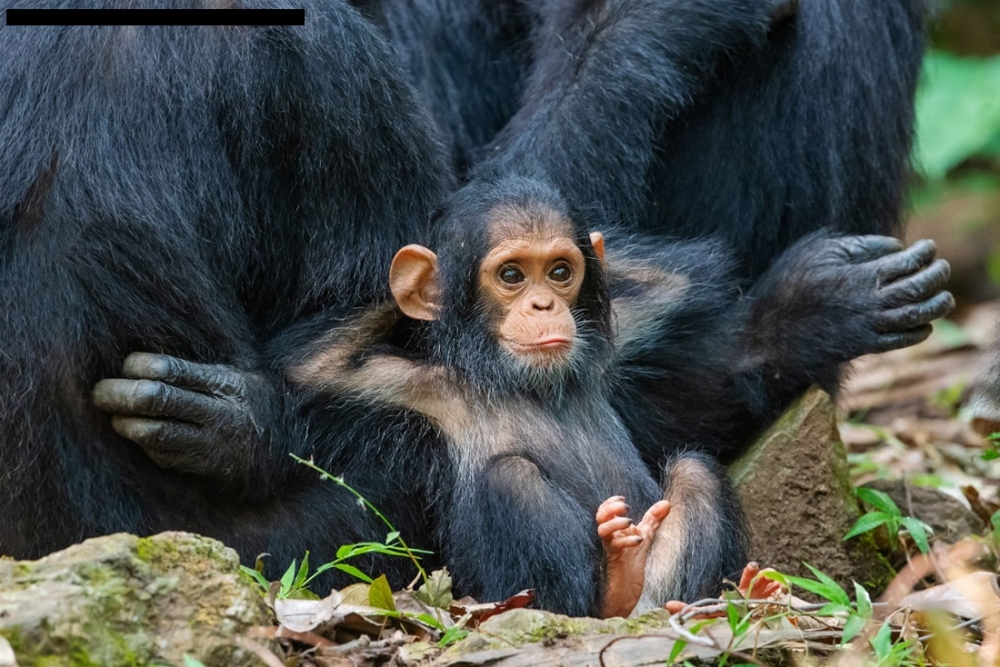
(956, 198)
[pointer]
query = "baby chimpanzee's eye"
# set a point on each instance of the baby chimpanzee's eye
(511, 275)
(561, 273)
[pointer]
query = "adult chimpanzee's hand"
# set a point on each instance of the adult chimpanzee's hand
(837, 298)
(210, 420)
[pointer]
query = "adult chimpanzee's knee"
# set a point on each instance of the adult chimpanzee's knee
(197, 192)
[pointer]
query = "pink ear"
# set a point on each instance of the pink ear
(413, 280)
(597, 240)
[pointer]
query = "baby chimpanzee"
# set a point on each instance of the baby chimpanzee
(542, 370)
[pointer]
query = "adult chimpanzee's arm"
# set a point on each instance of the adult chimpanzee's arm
(605, 78)
(704, 369)
(293, 148)
(218, 421)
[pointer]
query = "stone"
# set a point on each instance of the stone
(796, 490)
(125, 601)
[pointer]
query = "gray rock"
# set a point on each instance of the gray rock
(126, 601)
(796, 489)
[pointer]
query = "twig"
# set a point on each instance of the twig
(262, 652)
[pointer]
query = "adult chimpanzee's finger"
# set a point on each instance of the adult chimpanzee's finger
(899, 340)
(918, 286)
(867, 248)
(153, 399)
(202, 377)
(914, 315)
(164, 441)
(904, 263)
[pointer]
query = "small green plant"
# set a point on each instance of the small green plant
(192, 662)
(296, 579)
(856, 614)
(889, 653)
(992, 447)
(886, 513)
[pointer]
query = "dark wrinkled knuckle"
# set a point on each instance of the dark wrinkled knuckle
(150, 433)
(159, 398)
(172, 368)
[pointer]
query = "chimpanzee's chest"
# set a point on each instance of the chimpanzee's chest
(583, 449)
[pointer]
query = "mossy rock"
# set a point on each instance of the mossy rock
(127, 601)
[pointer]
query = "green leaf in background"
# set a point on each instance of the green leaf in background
(878, 500)
(288, 578)
(864, 601)
(882, 642)
(958, 111)
(353, 571)
(868, 522)
(918, 531)
(852, 628)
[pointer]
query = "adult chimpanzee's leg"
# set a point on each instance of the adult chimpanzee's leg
(604, 79)
(195, 191)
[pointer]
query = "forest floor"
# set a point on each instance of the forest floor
(903, 412)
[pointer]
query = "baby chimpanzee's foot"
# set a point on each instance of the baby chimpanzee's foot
(626, 546)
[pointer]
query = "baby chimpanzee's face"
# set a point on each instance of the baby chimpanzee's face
(531, 281)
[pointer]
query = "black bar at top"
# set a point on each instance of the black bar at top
(122, 17)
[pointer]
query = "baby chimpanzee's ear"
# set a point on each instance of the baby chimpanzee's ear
(413, 279)
(597, 240)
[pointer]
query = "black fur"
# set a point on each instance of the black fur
(196, 192)
(228, 196)
(680, 117)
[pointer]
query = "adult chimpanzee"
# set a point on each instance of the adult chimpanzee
(758, 121)
(217, 194)
(195, 191)
(985, 399)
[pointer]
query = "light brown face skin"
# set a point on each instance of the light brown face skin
(530, 278)
(533, 281)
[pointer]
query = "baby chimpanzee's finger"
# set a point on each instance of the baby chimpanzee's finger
(611, 508)
(606, 529)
